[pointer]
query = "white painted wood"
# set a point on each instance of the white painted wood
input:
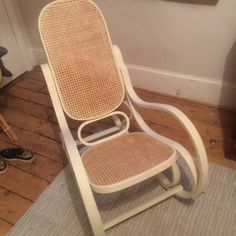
(100, 134)
(198, 170)
(167, 183)
(199, 165)
(112, 136)
(143, 207)
(135, 179)
(74, 159)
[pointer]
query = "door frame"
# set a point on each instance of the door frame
(20, 33)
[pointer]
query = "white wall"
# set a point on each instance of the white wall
(184, 38)
(30, 11)
(170, 47)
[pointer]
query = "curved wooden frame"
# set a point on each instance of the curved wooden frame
(138, 178)
(199, 170)
(117, 134)
(198, 166)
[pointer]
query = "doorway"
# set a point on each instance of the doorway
(12, 60)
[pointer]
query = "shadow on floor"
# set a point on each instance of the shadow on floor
(199, 2)
(228, 97)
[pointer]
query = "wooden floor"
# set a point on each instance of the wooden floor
(26, 106)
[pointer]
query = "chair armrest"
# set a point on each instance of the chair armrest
(179, 115)
(202, 163)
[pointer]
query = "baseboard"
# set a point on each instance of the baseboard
(182, 85)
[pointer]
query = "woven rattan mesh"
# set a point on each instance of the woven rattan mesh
(124, 157)
(79, 50)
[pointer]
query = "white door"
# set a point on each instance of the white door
(13, 60)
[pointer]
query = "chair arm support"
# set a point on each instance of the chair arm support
(185, 122)
(202, 163)
(181, 117)
(191, 130)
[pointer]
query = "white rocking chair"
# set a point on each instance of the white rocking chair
(88, 80)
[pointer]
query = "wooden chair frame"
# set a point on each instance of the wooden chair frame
(198, 166)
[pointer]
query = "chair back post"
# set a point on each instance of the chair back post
(74, 158)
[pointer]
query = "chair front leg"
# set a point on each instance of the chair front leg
(175, 178)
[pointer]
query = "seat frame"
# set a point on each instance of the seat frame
(136, 178)
(198, 166)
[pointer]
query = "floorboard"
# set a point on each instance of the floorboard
(22, 183)
(39, 144)
(4, 227)
(12, 206)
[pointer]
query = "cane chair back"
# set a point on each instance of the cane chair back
(79, 51)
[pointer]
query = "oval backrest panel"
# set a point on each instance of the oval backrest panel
(79, 51)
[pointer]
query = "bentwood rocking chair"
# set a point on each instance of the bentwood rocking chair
(88, 80)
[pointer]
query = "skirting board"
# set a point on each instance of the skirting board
(203, 90)
(187, 86)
